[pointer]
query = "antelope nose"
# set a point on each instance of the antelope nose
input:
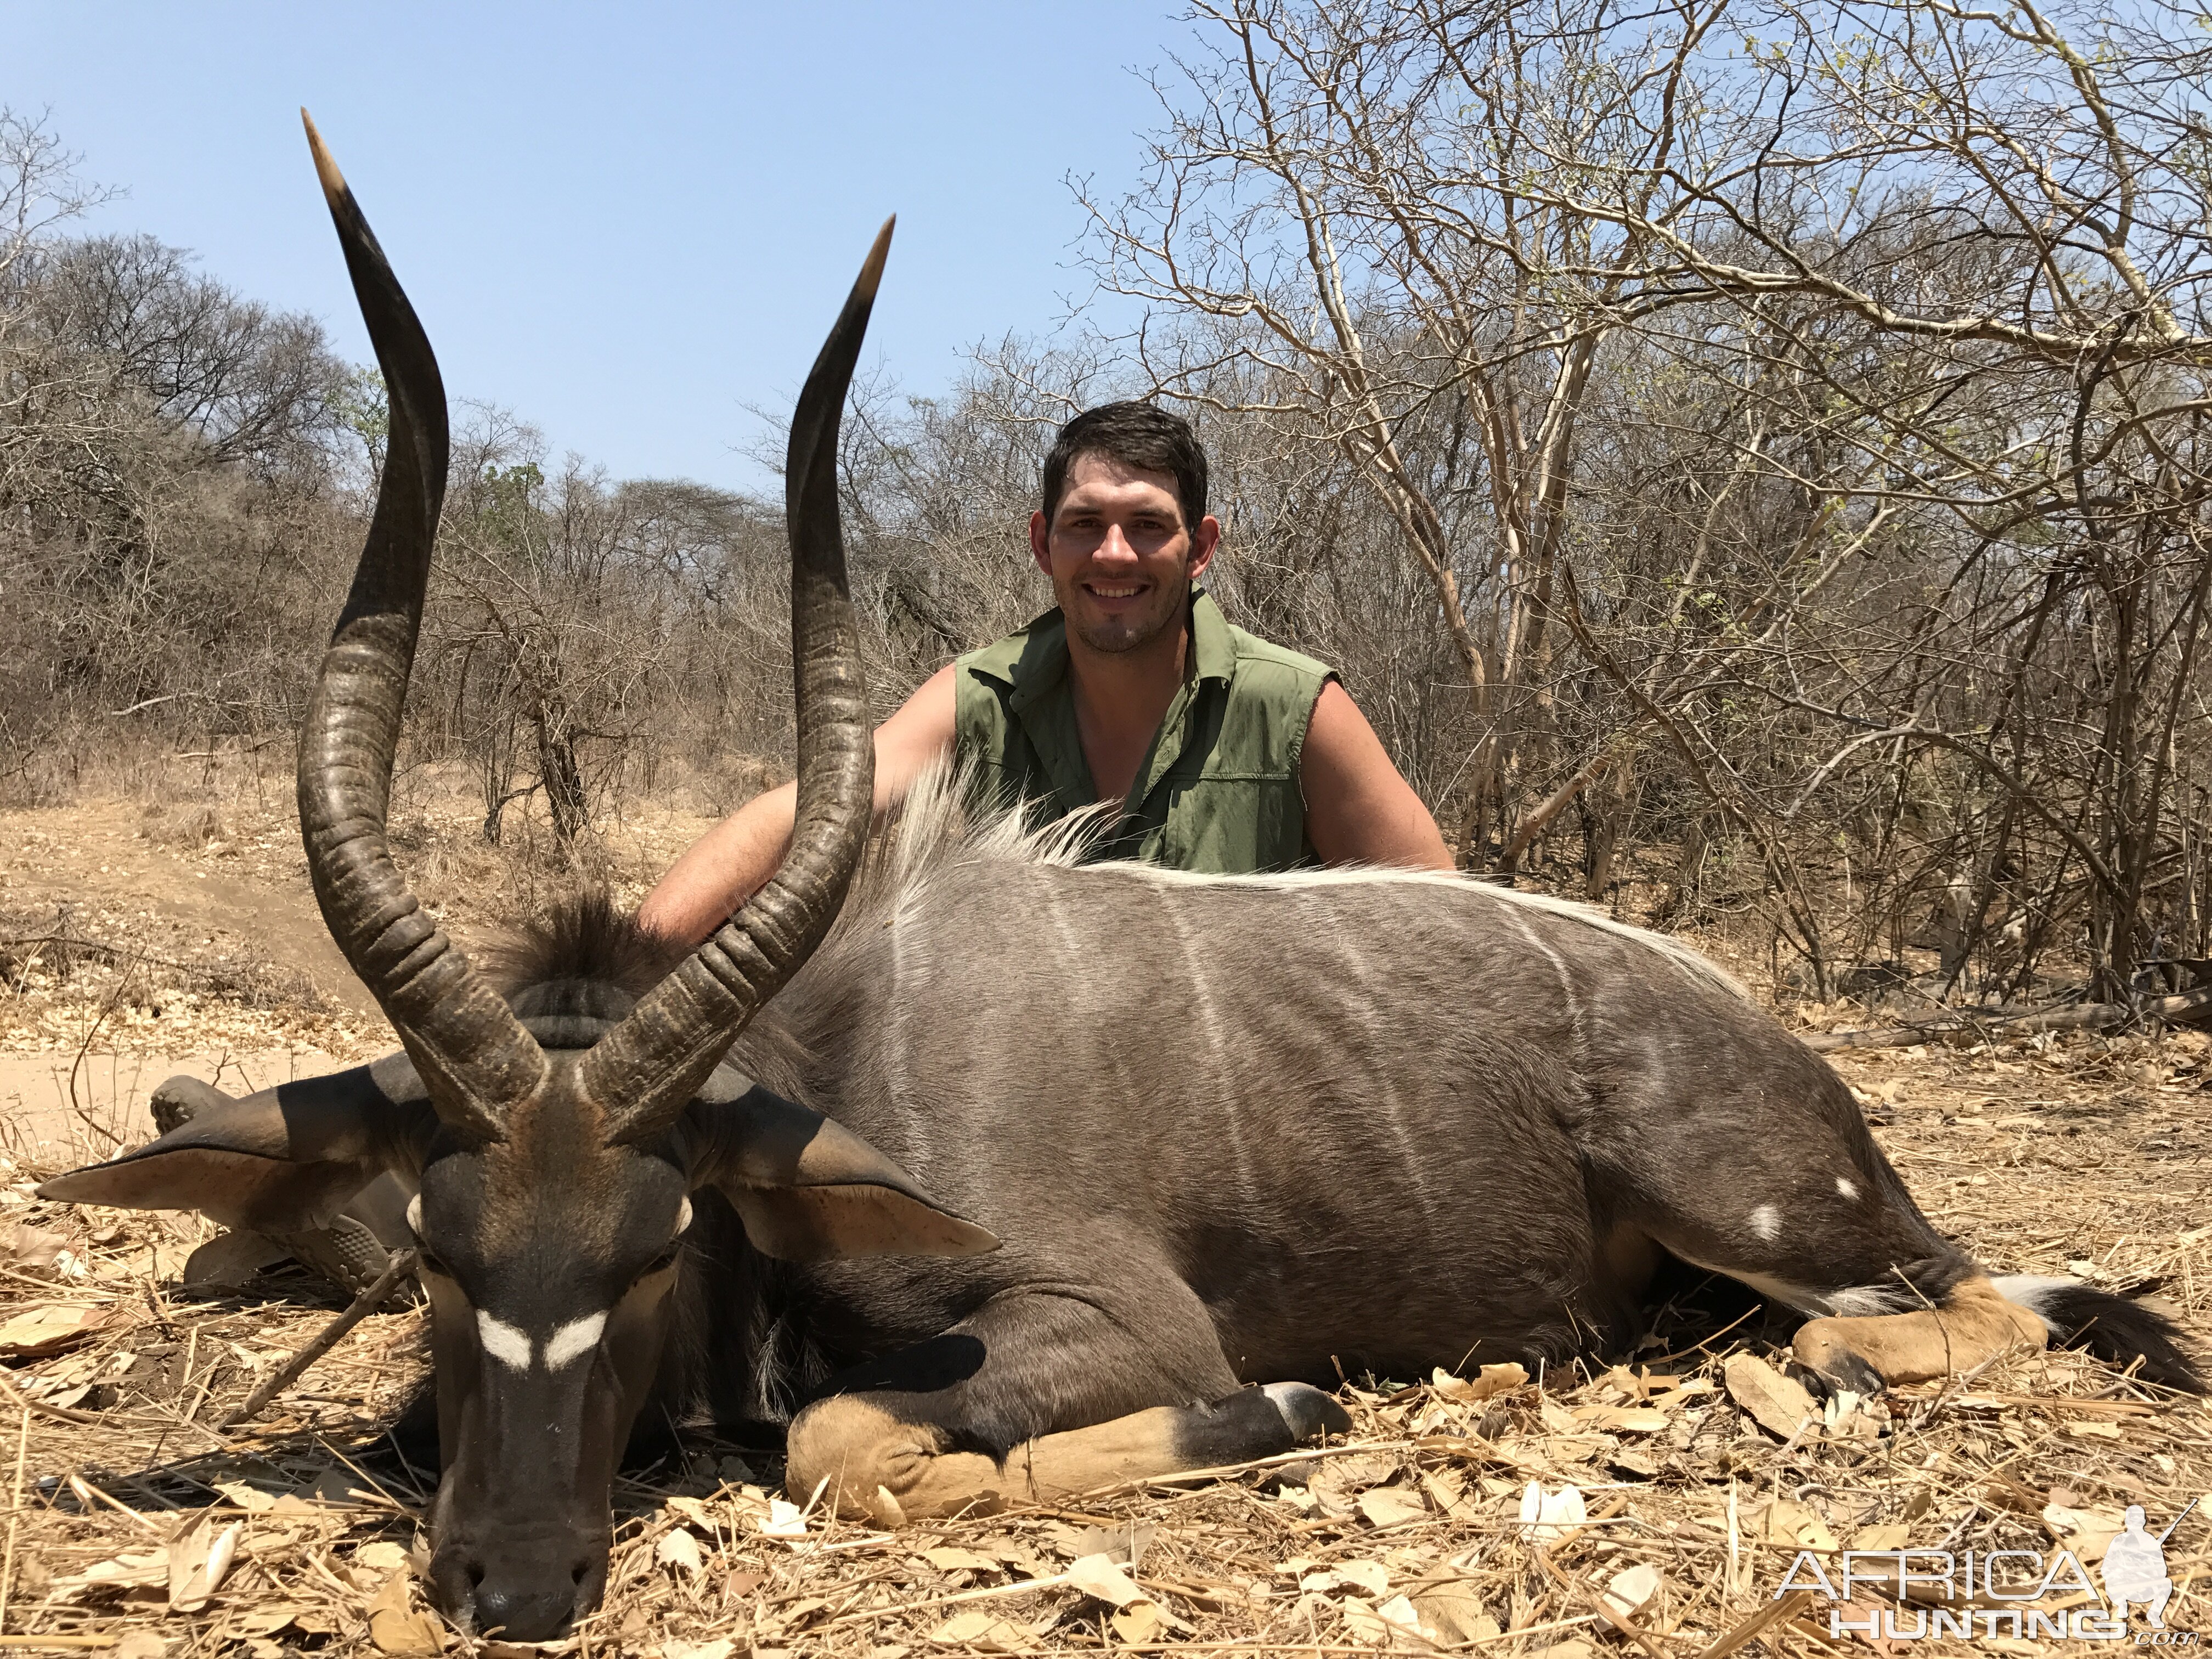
(526, 1612)
(529, 1609)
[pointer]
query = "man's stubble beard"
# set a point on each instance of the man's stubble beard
(1115, 638)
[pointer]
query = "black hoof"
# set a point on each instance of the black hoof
(1844, 1372)
(1307, 1411)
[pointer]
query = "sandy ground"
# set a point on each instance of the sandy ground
(195, 946)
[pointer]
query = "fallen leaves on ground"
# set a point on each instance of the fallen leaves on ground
(1777, 1403)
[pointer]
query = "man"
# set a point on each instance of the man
(1227, 755)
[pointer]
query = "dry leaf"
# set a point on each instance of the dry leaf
(1787, 1525)
(1490, 1380)
(1376, 1625)
(1365, 1625)
(2086, 1532)
(248, 1623)
(1453, 1612)
(2094, 1431)
(1627, 1592)
(1139, 1623)
(1890, 1537)
(784, 1520)
(984, 1631)
(396, 1628)
(142, 1645)
(132, 1570)
(1624, 1419)
(691, 1510)
(1398, 1610)
(1097, 1575)
(199, 1558)
(720, 1648)
(1547, 1515)
(1126, 1545)
(37, 1332)
(30, 1249)
(383, 1556)
(1371, 1575)
(680, 1550)
(1391, 1506)
(1777, 1404)
(952, 1558)
(252, 1499)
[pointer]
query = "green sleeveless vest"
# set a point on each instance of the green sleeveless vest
(1217, 792)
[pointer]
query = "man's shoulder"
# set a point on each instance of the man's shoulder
(1269, 657)
(1003, 660)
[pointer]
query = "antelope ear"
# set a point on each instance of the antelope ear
(811, 1190)
(285, 1160)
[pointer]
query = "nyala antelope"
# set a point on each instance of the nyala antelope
(1007, 1175)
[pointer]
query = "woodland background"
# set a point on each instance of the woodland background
(1749, 461)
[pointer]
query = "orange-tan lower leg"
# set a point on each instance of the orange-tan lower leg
(1972, 1324)
(893, 1469)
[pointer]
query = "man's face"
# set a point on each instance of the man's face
(1120, 556)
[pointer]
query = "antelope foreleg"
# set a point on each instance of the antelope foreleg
(1972, 1323)
(870, 1460)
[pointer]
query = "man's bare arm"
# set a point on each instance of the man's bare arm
(1359, 809)
(734, 860)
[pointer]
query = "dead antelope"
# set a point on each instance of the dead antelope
(1084, 1149)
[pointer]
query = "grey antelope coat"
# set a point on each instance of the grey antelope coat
(1001, 1177)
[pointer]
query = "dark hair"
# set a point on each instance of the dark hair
(1143, 436)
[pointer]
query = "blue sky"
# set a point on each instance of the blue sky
(627, 224)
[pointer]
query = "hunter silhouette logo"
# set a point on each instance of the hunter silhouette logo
(2134, 1568)
(1907, 1594)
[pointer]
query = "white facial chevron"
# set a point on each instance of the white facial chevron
(576, 1337)
(502, 1341)
(512, 1347)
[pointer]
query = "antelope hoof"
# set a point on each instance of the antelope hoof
(1307, 1411)
(1831, 1364)
(1840, 1370)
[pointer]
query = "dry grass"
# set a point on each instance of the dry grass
(2086, 1156)
(2081, 1155)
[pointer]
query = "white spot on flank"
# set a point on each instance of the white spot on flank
(414, 1216)
(1766, 1222)
(502, 1341)
(1848, 1187)
(577, 1337)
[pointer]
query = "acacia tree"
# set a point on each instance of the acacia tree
(1338, 198)
(1884, 531)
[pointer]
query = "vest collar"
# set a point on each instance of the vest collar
(1043, 663)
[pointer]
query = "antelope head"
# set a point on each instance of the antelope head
(554, 1181)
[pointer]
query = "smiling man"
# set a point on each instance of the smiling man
(1227, 755)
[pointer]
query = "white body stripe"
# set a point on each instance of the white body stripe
(1766, 1222)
